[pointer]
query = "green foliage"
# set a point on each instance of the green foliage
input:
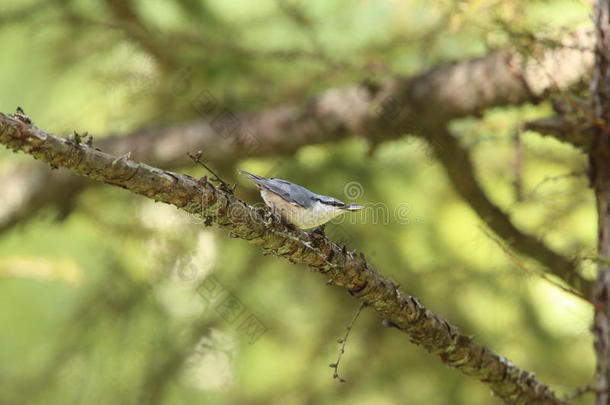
(104, 305)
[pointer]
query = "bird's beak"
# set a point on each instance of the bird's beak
(353, 207)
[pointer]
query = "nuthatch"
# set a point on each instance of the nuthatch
(297, 205)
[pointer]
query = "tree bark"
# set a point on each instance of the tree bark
(343, 268)
(600, 173)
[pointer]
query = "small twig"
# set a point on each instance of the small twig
(197, 159)
(579, 393)
(518, 165)
(597, 259)
(555, 178)
(519, 263)
(343, 341)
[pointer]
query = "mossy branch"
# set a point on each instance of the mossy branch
(344, 268)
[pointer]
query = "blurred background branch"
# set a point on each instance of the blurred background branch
(347, 269)
(408, 107)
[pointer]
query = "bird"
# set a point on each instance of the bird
(297, 205)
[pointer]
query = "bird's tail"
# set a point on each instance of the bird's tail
(256, 179)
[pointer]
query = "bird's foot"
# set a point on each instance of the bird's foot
(275, 217)
(320, 230)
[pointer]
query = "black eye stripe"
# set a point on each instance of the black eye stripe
(333, 203)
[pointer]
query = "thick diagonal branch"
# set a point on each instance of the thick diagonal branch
(346, 269)
(460, 170)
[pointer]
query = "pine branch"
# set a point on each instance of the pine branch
(346, 269)
(460, 171)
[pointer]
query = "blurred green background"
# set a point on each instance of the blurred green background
(105, 304)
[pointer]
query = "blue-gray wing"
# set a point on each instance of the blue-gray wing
(300, 195)
(290, 192)
(293, 193)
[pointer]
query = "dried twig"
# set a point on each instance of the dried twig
(343, 341)
(197, 159)
(579, 393)
(519, 263)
